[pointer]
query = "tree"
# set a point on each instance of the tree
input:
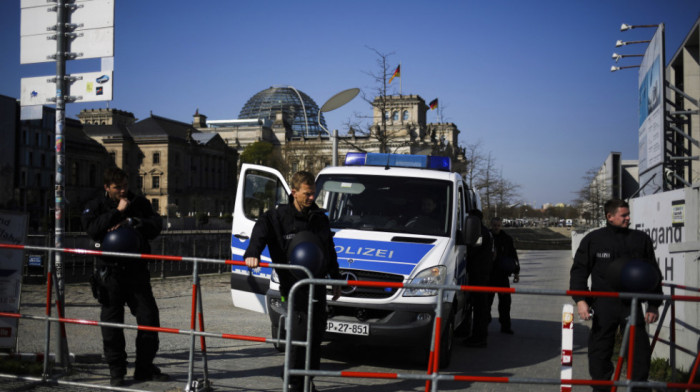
(260, 153)
(593, 195)
(387, 140)
(475, 160)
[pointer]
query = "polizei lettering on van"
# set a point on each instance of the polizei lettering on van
(380, 256)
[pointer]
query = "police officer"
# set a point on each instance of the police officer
(506, 264)
(276, 229)
(479, 266)
(123, 281)
(596, 252)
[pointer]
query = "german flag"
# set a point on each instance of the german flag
(396, 73)
(433, 104)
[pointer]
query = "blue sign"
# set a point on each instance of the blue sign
(35, 261)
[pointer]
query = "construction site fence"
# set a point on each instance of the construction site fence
(431, 378)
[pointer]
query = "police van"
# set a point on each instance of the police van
(395, 218)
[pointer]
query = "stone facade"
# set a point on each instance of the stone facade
(181, 170)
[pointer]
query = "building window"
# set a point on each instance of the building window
(156, 158)
(295, 167)
(140, 183)
(156, 205)
(395, 116)
(156, 182)
(38, 180)
(387, 115)
(406, 116)
(113, 156)
(23, 179)
(30, 159)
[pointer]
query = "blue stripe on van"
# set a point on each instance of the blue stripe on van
(380, 256)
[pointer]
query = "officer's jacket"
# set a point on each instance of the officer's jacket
(101, 214)
(600, 248)
(276, 229)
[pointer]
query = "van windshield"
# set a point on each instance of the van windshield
(383, 203)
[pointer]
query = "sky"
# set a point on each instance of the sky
(529, 81)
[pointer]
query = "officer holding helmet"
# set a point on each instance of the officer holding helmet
(121, 281)
(277, 229)
(594, 257)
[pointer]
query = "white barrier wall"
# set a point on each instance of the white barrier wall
(671, 220)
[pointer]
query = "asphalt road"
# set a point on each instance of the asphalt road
(235, 365)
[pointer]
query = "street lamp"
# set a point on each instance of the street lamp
(333, 103)
(623, 43)
(617, 57)
(626, 27)
(614, 68)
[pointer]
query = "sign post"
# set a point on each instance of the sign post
(83, 29)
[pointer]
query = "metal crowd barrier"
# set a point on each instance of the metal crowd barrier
(431, 378)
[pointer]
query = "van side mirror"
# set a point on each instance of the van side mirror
(472, 230)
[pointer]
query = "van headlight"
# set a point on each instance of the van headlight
(432, 275)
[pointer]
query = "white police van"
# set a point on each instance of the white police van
(395, 218)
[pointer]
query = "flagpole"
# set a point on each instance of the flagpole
(400, 81)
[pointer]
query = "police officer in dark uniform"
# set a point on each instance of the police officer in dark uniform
(596, 252)
(276, 229)
(506, 264)
(479, 266)
(121, 281)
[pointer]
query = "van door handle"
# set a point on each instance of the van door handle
(241, 236)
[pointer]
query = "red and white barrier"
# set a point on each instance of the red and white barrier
(567, 346)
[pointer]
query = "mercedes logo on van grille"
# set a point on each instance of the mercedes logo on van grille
(348, 290)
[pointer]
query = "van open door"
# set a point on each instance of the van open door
(259, 189)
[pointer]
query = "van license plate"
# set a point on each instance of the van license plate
(347, 328)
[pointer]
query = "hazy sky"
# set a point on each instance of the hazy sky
(530, 80)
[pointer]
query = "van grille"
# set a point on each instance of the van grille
(369, 292)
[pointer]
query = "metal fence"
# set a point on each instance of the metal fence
(211, 244)
(431, 378)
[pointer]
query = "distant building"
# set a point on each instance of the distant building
(181, 170)
(300, 144)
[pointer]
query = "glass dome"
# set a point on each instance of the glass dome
(298, 109)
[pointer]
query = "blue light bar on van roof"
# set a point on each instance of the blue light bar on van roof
(398, 160)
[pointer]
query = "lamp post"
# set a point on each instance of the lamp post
(626, 27)
(614, 68)
(624, 43)
(333, 103)
(617, 57)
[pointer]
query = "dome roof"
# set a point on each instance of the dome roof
(301, 114)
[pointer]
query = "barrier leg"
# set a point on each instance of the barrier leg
(567, 345)
(309, 336)
(632, 323)
(191, 383)
(47, 337)
(621, 357)
(659, 325)
(202, 340)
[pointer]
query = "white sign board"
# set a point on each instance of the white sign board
(13, 230)
(662, 217)
(93, 86)
(93, 14)
(651, 115)
(93, 43)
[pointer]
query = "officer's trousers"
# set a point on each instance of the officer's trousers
(128, 286)
(609, 314)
